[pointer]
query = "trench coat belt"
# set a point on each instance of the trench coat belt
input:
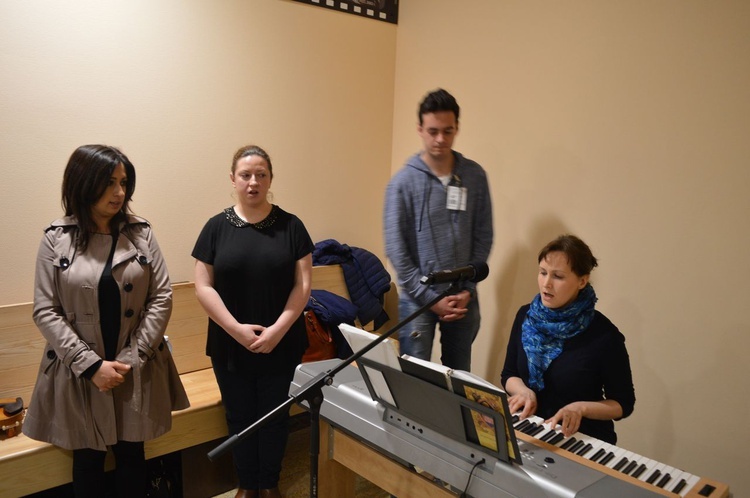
(71, 355)
(137, 402)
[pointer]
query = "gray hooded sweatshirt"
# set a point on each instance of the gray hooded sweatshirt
(422, 235)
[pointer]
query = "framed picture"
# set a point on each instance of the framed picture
(382, 10)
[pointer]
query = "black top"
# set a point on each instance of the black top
(593, 366)
(109, 306)
(254, 269)
(108, 296)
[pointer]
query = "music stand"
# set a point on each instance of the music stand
(456, 416)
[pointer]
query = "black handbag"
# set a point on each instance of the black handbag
(161, 482)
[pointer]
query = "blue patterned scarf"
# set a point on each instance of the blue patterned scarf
(545, 330)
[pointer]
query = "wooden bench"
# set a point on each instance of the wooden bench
(28, 466)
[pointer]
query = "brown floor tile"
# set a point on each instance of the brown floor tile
(295, 474)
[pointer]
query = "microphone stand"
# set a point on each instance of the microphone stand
(312, 393)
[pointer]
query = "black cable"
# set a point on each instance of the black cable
(466, 489)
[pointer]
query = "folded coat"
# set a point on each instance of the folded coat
(366, 278)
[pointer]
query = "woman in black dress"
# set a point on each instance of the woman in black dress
(252, 276)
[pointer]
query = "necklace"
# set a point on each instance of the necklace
(266, 222)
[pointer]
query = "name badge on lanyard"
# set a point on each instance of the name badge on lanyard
(456, 195)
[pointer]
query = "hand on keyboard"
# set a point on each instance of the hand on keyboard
(567, 419)
(523, 403)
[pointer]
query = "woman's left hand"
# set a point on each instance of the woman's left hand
(267, 340)
(568, 418)
(110, 375)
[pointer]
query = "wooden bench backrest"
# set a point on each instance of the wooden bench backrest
(21, 344)
(187, 327)
(21, 347)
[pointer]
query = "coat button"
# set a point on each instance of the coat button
(128, 287)
(64, 262)
(51, 355)
(129, 313)
(142, 260)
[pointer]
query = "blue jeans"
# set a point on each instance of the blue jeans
(456, 338)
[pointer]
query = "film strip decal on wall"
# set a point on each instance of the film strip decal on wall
(382, 10)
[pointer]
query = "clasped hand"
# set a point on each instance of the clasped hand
(258, 339)
(110, 375)
(452, 308)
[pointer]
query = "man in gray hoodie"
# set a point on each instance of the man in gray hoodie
(437, 216)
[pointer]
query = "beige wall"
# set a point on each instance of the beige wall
(179, 86)
(626, 123)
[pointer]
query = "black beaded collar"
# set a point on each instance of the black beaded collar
(262, 224)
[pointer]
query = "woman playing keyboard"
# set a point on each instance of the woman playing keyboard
(566, 362)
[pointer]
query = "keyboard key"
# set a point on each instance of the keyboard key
(621, 463)
(599, 453)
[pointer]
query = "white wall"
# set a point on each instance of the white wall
(179, 86)
(627, 124)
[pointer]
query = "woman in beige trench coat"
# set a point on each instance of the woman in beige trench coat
(102, 300)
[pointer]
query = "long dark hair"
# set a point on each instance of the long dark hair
(86, 177)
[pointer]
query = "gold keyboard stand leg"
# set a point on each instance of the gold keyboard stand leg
(342, 457)
(334, 479)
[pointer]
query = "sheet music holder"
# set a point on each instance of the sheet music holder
(486, 394)
(473, 412)
(385, 353)
(435, 374)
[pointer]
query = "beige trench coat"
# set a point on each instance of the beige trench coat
(68, 410)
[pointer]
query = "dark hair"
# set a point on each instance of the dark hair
(251, 150)
(437, 101)
(86, 177)
(580, 258)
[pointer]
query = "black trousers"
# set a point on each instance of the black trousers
(248, 397)
(130, 471)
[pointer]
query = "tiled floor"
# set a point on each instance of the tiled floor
(295, 474)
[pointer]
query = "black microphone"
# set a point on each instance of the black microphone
(473, 272)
